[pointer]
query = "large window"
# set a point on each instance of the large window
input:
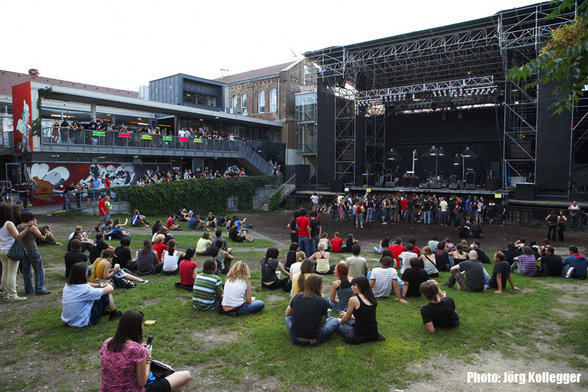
(261, 102)
(235, 102)
(244, 104)
(199, 99)
(273, 106)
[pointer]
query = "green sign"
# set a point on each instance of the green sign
(167, 138)
(99, 133)
(197, 140)
(145, 137)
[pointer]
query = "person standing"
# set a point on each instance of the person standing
(575, 213)
(8, 234)
(561, 225)
(102, 211)
(303, 232)
(33, 258)
(315, 202)
(551, 220)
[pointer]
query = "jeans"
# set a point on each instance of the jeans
(370, 215)
(304, 243)
(313, 245)
(9, 268)
(98, 309)
(33, 260)
(346, 330)
(254, 306)
(66, 204)
(444, 217)
(428, 217)
(331, 326)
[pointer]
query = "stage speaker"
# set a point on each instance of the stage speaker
(453, 179)
(470, 180)
(470, 187)
(434, 185)
(452, 186)
(525, 191)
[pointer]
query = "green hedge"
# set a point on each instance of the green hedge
(201, 195)
(274, 202)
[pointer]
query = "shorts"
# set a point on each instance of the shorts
(161, 385)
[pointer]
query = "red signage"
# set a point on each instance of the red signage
(22, 117)
(183, 139)
(124, 134)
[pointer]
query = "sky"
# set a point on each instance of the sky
(126, 43)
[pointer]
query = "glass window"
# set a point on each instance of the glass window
(234, 102)
(273, 106)
(244, 104)
(261, 102)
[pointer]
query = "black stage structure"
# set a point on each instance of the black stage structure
(436, 104)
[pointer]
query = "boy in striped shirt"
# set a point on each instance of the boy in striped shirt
(208, 288)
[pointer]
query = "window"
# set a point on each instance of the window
(244, 104)
(273, 106)
(234, 102)
(261, 102)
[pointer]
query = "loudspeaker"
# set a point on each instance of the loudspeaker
(434, 185)
(452, 186)
(525, 191)
(470, 180)
(470, 187)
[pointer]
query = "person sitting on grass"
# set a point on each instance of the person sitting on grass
(112, 232)
(237, 298)
(500, 274)
(357, 264)
(340, 289)
(207, 292)
(147, 261)
(83, 303)
(223, 258)
(188, 271)
(428, 259)
(269, 279)
(103, 269)
(577, 264)
(138, 219)
(306, 268)
(211, 220)
(362, 306)
(348, 248)
(322, 258)
(123, 255)
(80, 234)
(203, 244)
(170, 224)
(526, 263)
(74, 256)
(307, 318)
(156, 226)
(291, 255)
(336, 243)
(295, 268)
(196, 223)
(384, 279)
(98, 247)
(551, 264)
(126, 361)
(238, 235)
(159, 247)
(170, 259)
(385, 243)
(405, 257)
(474, 279)
(49, 237)
(440, 311)
(325, 240)
(413, 277)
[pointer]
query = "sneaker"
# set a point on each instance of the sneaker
(57, 243)
(44, 292)
(115, 315)
(144, 281)
(16, 299)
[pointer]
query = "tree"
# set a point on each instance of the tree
(563, 58)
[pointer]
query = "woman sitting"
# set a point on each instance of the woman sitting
(428, 259)
(237, 298)
(384, 244)
(188, 271)
(203, 244)
(306, 268)
(159, 247)
(325, 239)
(103, 269)
(341, 288)
(147, 261)
(526, 263)
(237, 235)
(291, 255)
(362, 306)
(223, 258)
(269, 279)
(322, 258)
(458, 254)
(440, 311)
(349, 243)
(413, 277)
(170, 259)
(208, 288)
(84, 303)
(126, 362)
(307, 316)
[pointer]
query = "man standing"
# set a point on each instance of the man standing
(315, 201)
(575, 213)
(443, 208)
(303, 232)
(102, 211)
(315, 231)
(68, 192)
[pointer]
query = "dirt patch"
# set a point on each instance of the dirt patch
(151, 301)
(205, 339)
(270, 298)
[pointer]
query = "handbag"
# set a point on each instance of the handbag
(122, 283)
(17, 251)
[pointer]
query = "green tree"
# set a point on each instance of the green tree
(563, 58)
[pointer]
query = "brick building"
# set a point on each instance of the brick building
(269, 93)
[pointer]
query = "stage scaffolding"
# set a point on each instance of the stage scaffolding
(438, 69)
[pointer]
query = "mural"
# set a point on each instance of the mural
(50, 179)
(22, 117)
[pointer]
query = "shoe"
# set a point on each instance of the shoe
(16, 299)
(57, 243)
(144, 282)
(116, 314)
(44, 292)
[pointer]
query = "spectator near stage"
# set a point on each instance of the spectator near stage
(303, 232)
(397, 248)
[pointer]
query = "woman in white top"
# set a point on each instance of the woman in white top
(430, 262)
(9, 233)
(171, 258)
(322, 258)
(237, 298)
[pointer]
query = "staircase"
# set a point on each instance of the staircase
(286, 189)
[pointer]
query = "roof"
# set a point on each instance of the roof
(256, 73)
(9, 79)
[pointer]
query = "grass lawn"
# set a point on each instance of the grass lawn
(229, 349)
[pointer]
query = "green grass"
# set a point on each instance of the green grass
(260, 342)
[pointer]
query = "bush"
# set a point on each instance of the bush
(201, 195)
(274, 202)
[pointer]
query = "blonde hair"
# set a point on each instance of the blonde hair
(159, 238)
(300, 256)
(322, 246)
(239, 271)
(427, 251)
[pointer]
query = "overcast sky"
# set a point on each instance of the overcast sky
(126, 43)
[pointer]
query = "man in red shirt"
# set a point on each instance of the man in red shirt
(102, 211)
(397, 248)
(303, 223)
(336, 243)
(403, 207)
(106, 182)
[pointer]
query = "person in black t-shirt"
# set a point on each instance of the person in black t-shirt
(440, 311)
(500, 274)
(510, 253)
(551, 264)
(98, 247)
(74, 256)
(442, 257)
(413, 277)
(123, 255)
(293, 227)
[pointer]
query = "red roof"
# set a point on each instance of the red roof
(256, 73)
(9, 79)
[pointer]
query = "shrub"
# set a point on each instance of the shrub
(274, 202)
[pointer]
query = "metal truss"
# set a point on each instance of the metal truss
(375, 148)
(344, 137)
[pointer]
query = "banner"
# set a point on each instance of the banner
(99, 133)
(124, 135)
(22, 117)
(197, 140)
(146, 137)
(183, 139)
(167, 138)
